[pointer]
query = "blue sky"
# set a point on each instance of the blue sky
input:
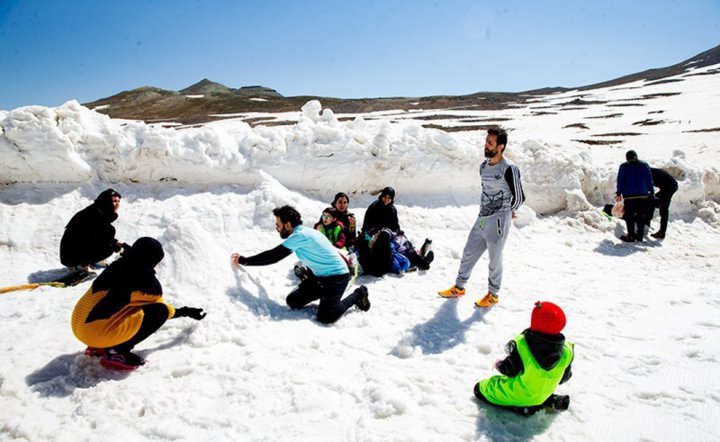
(53, 51)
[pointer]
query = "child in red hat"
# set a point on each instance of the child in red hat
(539, 359)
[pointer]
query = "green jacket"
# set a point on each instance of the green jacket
(334, 233)
(532, 386)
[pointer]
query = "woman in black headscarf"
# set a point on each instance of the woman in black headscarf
(381, 238)
(89, 236)
(124, 306)
(381, 214)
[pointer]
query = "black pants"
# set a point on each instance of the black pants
(416, 259)
(664, 198)
(154, 317)
(329, 290)
(84, 254)
(636, 212)
(378, 260)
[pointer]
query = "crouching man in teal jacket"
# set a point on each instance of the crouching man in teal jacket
(539, 359)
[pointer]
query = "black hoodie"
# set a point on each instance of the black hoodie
(379, 215)
(546, 349)
(89, 236)
(135, 271)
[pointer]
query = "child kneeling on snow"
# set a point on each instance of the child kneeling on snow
(539, 359)
(124, 306)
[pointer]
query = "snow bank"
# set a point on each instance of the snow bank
(318, 154)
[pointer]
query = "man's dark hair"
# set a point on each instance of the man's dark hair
(288, 214)
(500, 134)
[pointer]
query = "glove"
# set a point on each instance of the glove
(190, 312)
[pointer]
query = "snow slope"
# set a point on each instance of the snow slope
(644, 318)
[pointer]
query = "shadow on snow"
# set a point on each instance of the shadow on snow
(62, 375)
(500, 425)
(443, 331)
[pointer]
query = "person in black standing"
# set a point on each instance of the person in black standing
(634, 188)
(668, 186)
(89, 236)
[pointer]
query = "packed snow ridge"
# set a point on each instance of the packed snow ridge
(321, 154)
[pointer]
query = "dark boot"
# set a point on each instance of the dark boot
(558, 402)
(363, 301)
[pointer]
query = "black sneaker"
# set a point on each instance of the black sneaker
(429, 257)
(363, 301)
(424, 263)
(627, 238)
(558, 402)
(658, 235)
(301, 272)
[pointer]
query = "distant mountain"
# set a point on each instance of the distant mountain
(707, 58)
(206, 86)
(207, 100)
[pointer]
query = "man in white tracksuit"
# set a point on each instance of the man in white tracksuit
(502, 194)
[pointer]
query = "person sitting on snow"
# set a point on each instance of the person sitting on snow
(332, 228)
(89, 237)
(539, 359)
(124, 306)
(382, 245)
(381, 214)
(345, 217)
(330, 274)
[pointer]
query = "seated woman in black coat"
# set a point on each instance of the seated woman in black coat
(381, 236)
(89, 236)
(381, 214)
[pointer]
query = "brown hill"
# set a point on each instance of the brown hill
(197, 103)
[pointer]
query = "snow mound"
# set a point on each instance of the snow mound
(318, 154)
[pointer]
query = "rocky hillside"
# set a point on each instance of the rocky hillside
(209, 101)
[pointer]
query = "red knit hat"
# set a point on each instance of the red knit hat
(547, 318)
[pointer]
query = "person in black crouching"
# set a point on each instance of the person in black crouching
(89, 237)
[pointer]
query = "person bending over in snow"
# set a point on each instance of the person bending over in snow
(539, 359)
(634, 189)
(502, 194)
(332, 228)
(89, 236)
(124, 306)
(330, 275)
(668, 185)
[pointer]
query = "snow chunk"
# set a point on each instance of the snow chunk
(311, 110)
(524, 217)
